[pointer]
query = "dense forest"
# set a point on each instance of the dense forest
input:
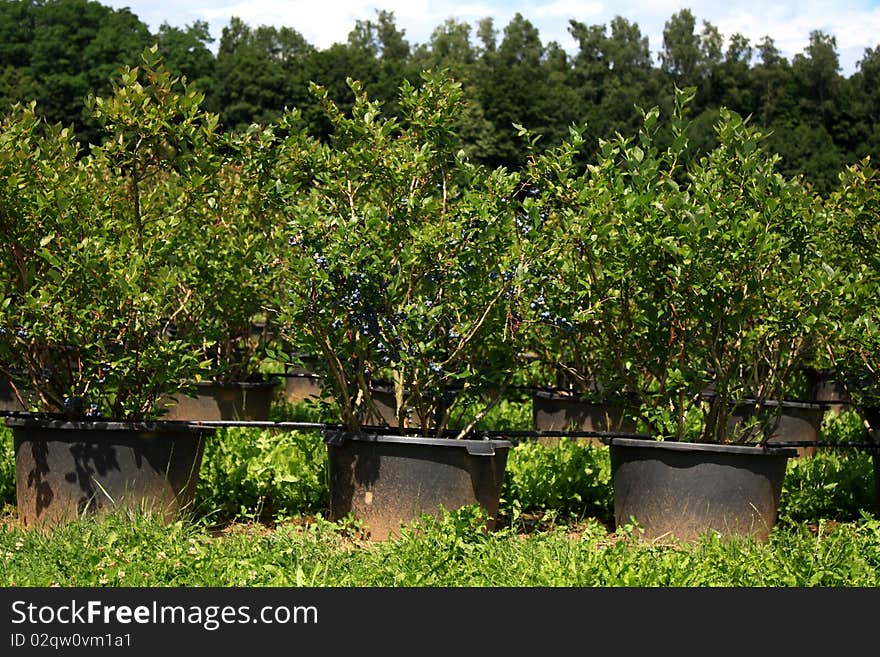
(58, 52)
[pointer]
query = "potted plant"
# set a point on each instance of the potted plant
(564, 340)
(696, 285)
(233, 261)
(400, 268)
(94, 271)
(852, 247)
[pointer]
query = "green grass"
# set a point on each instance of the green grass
(133, 550)
(259, 521)
(262, 475)
(569, 480)
(7, 467)
(838, 484)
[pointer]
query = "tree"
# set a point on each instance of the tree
(517, 86)
(691, 58)
(384, 43)
(17, 26)
(611, 74)
(487, 34)
(680, 56)
(770, 81)
(591, 63)
(817, 69)
(734, 74)
(869, 67)
(16, 34)
(867, 85)
(63, 50)
(711, 44)
(16, 86)
(628, 51)
(807, 149)
(381, 38)
(450, 46)
(186, 53)
(632, 81)
(330, 68)
(450, 49)
(259, 73)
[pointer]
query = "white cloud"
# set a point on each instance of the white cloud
(567, 9)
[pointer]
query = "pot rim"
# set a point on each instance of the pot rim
(785, 403)
(237, 384)
(814, 406)
(573, 395)
(474, 446)
(98, 424)
(619, 441)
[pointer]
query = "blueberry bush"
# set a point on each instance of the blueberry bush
(401, 261)
(96, 245)
(669, 278)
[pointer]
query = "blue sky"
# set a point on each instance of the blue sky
(854, 23)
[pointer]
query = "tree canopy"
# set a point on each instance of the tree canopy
(58, 52)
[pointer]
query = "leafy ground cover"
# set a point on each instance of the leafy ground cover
(259, 521)
(454, 551)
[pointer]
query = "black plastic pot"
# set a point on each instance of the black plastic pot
(871, 416)
(213, 401)
(65, 469)
(680, 491)
(384, 400)
(799, 422)
(302, 386)
(876, 459)
(827, 389)
(301, 382)
(553, 411)
(386, 481)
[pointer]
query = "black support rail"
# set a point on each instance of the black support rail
(866, 445)
(514, 435)
(510, 434)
